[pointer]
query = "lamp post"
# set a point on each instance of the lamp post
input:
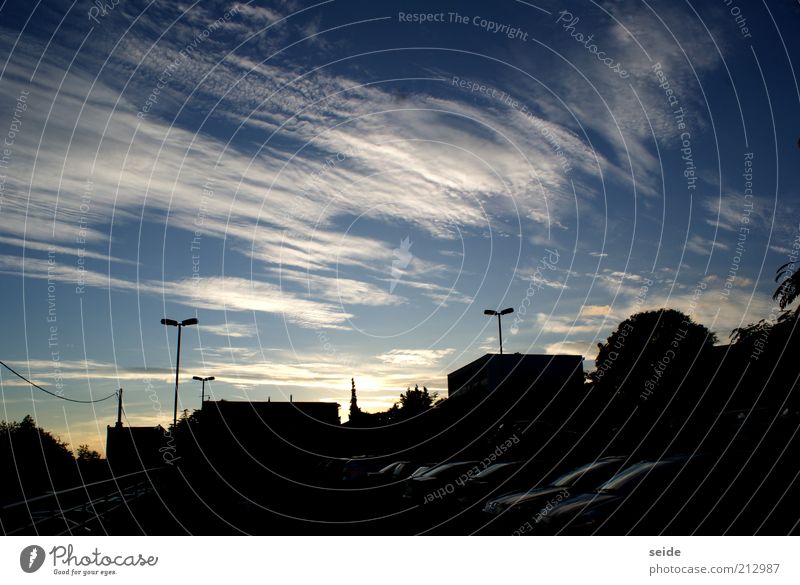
(180, 325)
(499, 328)
(203, 380)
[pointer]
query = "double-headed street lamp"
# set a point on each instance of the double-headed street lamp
(499, 328)
(203, 380)
(180, 325)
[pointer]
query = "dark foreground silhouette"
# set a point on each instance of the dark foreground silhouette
(670, 434)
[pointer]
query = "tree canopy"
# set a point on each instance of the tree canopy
(649, 351)
(37, 460)
(411, 403)
(788, 278)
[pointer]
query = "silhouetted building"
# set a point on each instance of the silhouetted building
(237, 414)
(269, 431)
(522, 372)
(134, 448)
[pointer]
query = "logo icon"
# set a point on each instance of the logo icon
(31, 558)
(402, 258)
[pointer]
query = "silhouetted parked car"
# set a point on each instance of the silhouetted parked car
(407, 469)
(490, 478)
(511, 511)
(422, 468)
(437, 483)
(388, 473)
(358, 468)
(638, 499)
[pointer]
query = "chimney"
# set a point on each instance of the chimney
(119, 410)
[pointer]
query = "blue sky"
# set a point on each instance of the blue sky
(338, 190)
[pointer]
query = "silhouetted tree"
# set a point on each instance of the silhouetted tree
(787, 290)
(188, 425)
(187, 434)
(747, 334)
(417, 400)
(90, 464)
(764, 342)
(86, 455)
(648, 352)
(33, 460)
(776, 336)
(411, 403)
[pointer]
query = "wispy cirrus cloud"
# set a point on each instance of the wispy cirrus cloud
(414, 357)
(231, 329)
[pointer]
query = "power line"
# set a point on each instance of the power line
(18, 375)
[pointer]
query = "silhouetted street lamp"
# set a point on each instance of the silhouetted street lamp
(499, 328)
(180, 325)
(203, 380)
